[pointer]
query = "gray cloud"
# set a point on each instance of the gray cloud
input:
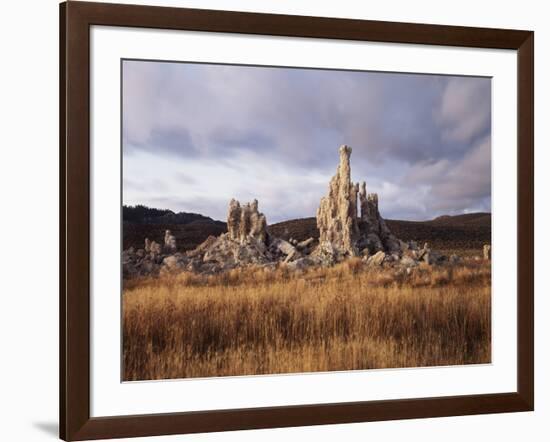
(186, 178)
(465, 109)
(414, 136)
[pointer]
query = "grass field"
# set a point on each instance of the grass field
(348, 317)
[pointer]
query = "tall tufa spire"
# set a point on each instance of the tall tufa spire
(337, 213)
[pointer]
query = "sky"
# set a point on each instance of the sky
(196, 135)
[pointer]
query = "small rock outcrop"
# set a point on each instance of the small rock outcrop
(377, 259)
(375, 234)
(245, 222)
(246, 241)
(169, 242)
(152, 247)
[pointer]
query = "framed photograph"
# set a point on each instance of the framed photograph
(272, 221)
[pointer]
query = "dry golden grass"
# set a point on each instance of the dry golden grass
(254, 321)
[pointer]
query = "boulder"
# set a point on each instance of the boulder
(293, 256)
(377, 259)
(304, 244)
(172, 263)
(282, 246)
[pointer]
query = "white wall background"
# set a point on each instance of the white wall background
(29, 200)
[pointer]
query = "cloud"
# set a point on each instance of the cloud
(416, 138)
(456, 186)
(465, 109)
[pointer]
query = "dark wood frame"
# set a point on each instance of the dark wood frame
(75, 21)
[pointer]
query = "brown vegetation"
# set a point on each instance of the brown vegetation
(251, 321)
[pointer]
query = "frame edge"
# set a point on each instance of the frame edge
(526, 220)
(62, 225)
(74, 404)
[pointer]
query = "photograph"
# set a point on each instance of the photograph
(293, 220)
(308, 220)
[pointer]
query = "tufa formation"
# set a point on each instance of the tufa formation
(349, 224)
(337, 212)
(246, 222)
(342, 232)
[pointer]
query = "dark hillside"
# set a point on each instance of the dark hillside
(188, 236)
(460, 232)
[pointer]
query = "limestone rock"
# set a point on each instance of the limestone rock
(377, 259)
(225, 253)
(202, 248)
(152, 247)
(422, 252)
(170, 262)
(139, 263)
(245, 243)
(374, 230)
(292, 257)
(432, 257)
(155, 248)
(169, 242)
(407, 261)
(245, 222)
(282, 246)
(372, 243)
(324, 255)
(174, 263)
(337, 212)
(304, 244)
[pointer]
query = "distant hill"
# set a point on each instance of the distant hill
(469, 231)
(190, 229)
(188, 236)
(145, 215)
(479, 219)
(457, 232)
